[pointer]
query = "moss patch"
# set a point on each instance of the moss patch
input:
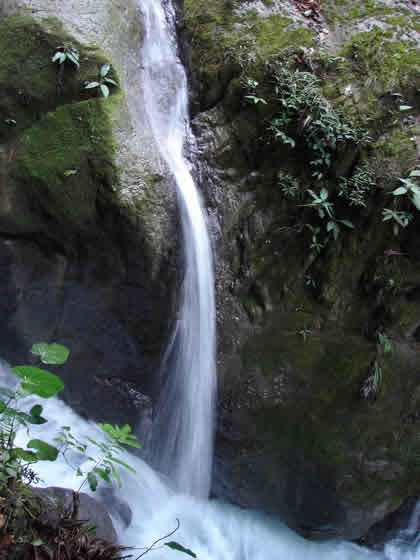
(30, 84)
(68, 158)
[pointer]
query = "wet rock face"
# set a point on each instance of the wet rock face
(318, 354)
(88, 226)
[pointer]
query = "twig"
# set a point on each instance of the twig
(159, 540)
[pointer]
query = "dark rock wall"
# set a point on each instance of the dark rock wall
(309, 320)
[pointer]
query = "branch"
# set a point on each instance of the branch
(159, 540)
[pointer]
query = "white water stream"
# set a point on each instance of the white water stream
(184, 421)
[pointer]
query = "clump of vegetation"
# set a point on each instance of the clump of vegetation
(20, 529)
(410, 190)
(104, 81)
(358, 187)
(66, 53)
(288, 183)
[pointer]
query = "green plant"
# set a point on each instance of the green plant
(289, 185)
(104, 81)
(399, 219)
(304, 333)
(383, 340)
(321, 203)
(334, 227)
(357, 188)
(410, 188)
(66, 53)
(103, 465)
(315, 243)
(301, 106)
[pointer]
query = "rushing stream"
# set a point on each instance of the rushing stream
(178, 484)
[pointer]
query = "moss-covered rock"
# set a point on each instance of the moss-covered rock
(67, 161)
(30, 83)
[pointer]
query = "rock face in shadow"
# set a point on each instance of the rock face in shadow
(317, 305)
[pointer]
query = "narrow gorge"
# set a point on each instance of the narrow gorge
(235, 208)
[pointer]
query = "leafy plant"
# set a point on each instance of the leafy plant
(66, 53)
(383, 340)
(104, 81)
(399, 219)
(289, 185)
(300, 103)
(410, 188)
(315, 243)
(334, 227)
(357, 188)
(321, 203)
(104, 464)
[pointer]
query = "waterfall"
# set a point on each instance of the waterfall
(214, 531)
(184, 415)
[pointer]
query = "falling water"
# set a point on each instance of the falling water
(184, 416)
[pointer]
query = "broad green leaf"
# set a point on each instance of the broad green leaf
(105, 68)
(24, 454)
(405, 107)
(38, 381)
(324, 194)
(37, 542)
(105, 90)
(52, 354)
(347, 223)
(45, 451)
(35, 415)
(59, 57)
(110, 81)
(399, 191)
(39, 349)
(415, 173)
(176, 546)
(93, 481)
(91, 85)
(128, 467)
(330, 226)
(103, 473)
(36, 410)
(73, 59)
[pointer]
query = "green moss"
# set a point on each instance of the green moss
(224, 43)
(68, 158)
(394, 154)
(30, 84)
(382, 61)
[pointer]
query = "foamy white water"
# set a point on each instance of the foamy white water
(214, 531)
(184, 415)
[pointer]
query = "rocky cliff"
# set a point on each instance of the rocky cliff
(308, 124)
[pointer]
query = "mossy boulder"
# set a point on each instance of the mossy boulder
(67, 162)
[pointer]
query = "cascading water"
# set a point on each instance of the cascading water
(184, 416)
(212, 530)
